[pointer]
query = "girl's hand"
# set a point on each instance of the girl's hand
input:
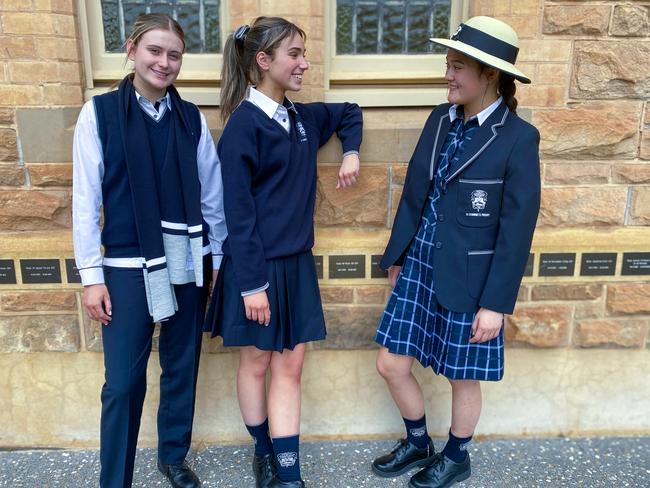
(349, 171)
(258, 308)
(97, 303)
(393, 273)
(486, 326)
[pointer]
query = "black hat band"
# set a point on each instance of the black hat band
(486, 43)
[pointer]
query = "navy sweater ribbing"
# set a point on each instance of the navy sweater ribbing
(269, 179)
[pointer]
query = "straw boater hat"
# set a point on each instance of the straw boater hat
(488, 41)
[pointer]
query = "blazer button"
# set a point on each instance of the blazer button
(441, 217)
(438, 245)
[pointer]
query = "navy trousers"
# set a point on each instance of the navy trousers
(127, 346)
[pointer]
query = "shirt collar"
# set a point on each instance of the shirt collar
(481, 116)
(147, 104)
(267, 104)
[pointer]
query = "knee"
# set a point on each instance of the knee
(290, 368)
(255, 365)
(124, 386)
(390, 368)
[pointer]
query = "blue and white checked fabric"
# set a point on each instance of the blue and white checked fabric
(414, 323)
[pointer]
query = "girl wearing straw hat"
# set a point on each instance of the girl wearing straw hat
(458, 248)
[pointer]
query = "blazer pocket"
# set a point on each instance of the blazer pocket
(479, 202)
(478, 267)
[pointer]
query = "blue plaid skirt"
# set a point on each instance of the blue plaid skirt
(415, 324)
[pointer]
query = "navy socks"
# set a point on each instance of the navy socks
(261, 438)
(416, 432)
(456, 448)
(287, 458)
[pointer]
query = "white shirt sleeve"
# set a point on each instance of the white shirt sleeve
(211, 192)
(87, 176)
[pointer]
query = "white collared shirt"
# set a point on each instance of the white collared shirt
(482, 115)
(87, 176)
(270, 107)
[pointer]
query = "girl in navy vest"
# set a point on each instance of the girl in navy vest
(266, 299)
(146, 158)
(458, 248)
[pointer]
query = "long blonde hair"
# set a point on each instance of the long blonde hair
(239, 65)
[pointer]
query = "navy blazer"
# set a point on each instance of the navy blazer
(486, 213)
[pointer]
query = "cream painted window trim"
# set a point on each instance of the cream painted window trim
(102, 68)
(368, 79)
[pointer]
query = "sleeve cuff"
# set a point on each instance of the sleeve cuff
(92, 276)
(252, 292)
(216, 261)
(348, 153)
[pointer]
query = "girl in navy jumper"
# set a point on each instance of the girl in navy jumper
(266, 299)
(458, 248)
(146, 158)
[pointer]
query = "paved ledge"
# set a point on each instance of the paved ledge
(556, 462)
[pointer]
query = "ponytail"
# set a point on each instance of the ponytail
(507, 90)
(234, 81)
(240, 67)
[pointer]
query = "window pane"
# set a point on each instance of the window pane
(390, 26)
(198, 18)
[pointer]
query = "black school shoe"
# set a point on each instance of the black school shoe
(179, 475)
(278, 483)
(443, 472)
(263, 470)
(403, 457)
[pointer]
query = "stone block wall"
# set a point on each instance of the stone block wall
(589, 98)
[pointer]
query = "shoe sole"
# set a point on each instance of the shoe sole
(458, 479)
(395, 474)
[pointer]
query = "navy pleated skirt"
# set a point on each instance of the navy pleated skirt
(294, 298)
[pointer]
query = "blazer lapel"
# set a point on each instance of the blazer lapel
(442, 128)
(483, 137)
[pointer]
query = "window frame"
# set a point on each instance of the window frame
(198, 80)
(370, 80)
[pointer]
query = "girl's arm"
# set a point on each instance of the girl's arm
(517, 219)
(87, 176)
(211, 193)
(346, 119)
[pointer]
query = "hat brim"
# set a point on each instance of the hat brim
(483, 57)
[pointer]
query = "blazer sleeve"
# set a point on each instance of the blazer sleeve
(346, 119)
(237, 150)
(519, 210)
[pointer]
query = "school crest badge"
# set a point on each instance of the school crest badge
(287, 459)
(455, 36)
(479, 200)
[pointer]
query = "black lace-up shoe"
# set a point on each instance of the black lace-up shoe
(263, 470)
(179, 475)
(443, 472)
(403, 457)
(278, 483)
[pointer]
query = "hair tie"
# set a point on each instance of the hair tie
(240, 33)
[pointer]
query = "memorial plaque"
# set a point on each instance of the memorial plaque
(636, 263)
(528, 270)
(40, 271)
(72, 272)
(347, 266)
(7, 272)
(557, 264)
(375, 270)
(318, 261)
(598, 264)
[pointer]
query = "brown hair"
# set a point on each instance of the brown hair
(239, 65)
(146, 22)
(506, 87)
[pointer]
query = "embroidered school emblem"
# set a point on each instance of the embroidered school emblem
(419, 432)
(455, 36)
(287, 459)
(301, 131)
(479, 199)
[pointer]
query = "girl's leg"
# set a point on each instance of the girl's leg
(251, 393)
(284, 410)
(417, 449)
(465, 411)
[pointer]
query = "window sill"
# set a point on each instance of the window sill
(389, 96)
